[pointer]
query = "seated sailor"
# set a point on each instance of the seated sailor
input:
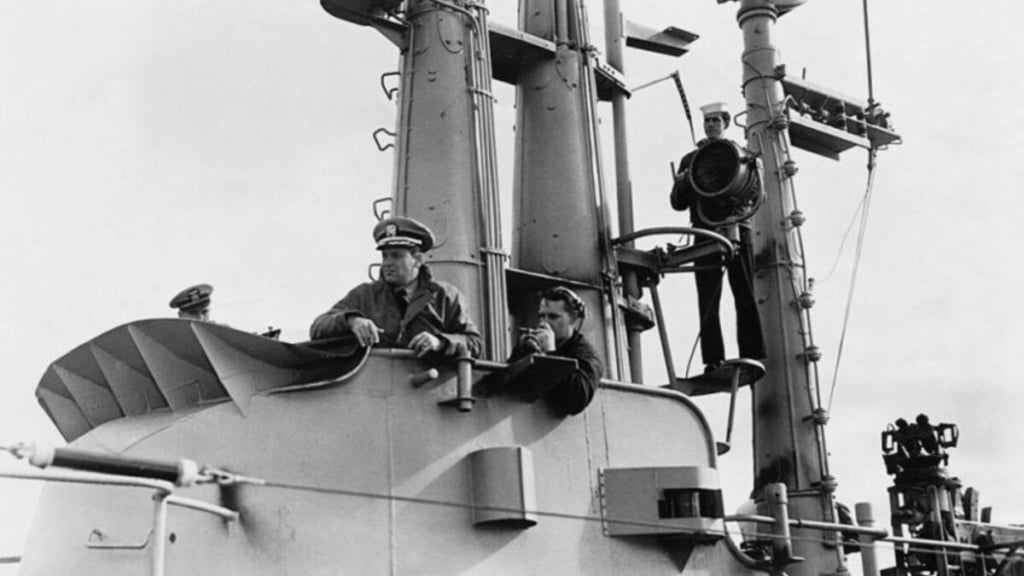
(561, 315)
(405, 307)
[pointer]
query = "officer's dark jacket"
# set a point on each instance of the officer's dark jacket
(572, 394)
(435, 307)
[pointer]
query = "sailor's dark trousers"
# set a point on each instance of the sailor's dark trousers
(709, 293)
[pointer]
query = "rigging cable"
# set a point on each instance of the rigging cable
(842, 243)
(872, 154)
(904, 545)
(693, 352)
(853, 274)
(674, 76)
(704, 315)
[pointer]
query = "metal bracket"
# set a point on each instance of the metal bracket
(638, 315)
(382, 213)
(376, 139)
(463, 399)
(97, 540)
(389, 92)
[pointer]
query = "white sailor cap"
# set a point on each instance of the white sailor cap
(720, 108)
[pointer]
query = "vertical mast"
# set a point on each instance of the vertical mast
(789, 441)
(446, 173)
(561, 229)
(555, 217)
(615, 40)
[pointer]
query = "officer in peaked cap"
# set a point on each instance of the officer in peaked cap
(406, 307)
(193, 303)
(402, 232)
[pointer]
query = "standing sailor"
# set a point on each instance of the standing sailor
(728, 216)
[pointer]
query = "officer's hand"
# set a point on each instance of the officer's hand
(545, 337)
(425, 342)
(366, 330)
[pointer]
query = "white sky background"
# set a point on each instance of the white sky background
(146, 146)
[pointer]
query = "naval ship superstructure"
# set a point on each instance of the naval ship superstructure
(198, 448)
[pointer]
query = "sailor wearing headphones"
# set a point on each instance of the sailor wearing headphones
(561, 315)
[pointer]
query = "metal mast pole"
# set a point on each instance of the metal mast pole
(789, 441)
(615, 38)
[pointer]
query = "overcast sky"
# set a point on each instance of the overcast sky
(146, 146)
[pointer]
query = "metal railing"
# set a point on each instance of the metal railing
(163, 497)
(867, 535)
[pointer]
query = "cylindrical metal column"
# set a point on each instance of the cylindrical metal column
(158, 553)
(868, 553)
(615, 40)
(555, 221)
(436, 172)
(788, 429)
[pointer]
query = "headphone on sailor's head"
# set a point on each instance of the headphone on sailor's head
(572, 300)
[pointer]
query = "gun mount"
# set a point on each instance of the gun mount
(948, 532)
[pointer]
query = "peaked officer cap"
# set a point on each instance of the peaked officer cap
(402, 232)
(193, 298)
(716, 108)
